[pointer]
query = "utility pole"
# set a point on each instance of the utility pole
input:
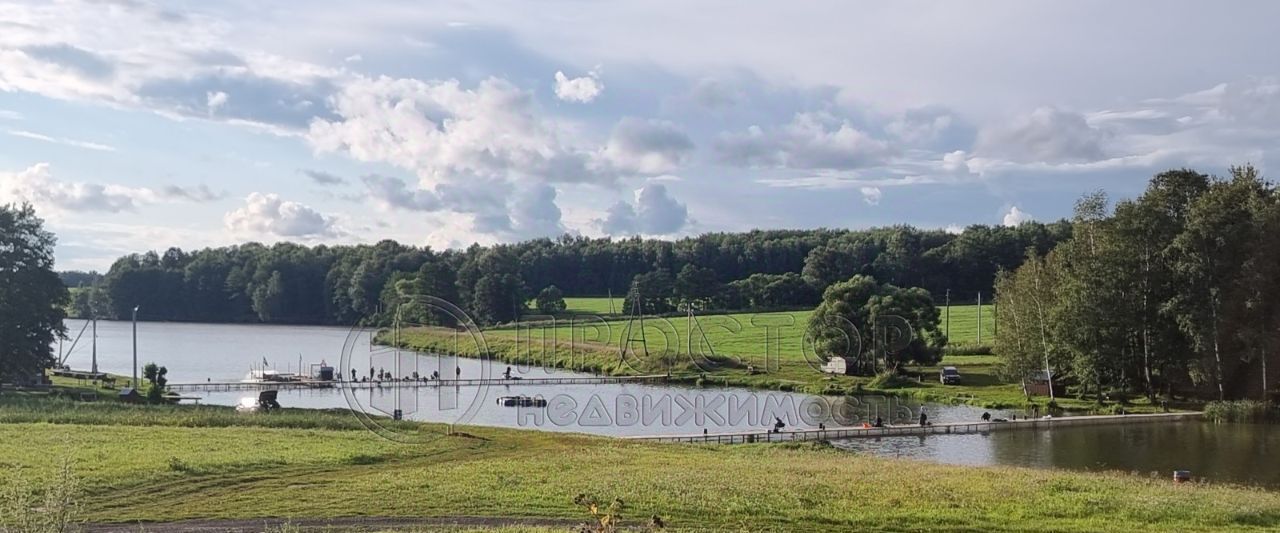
(948, 306)
(979, 318)
(135, 347)
(93, 368)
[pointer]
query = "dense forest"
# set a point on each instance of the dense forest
(1177, 290)
(290, 283)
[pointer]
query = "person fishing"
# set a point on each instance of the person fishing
(986, 417)
(778, 424)
(924, 418)
(879, 423)
(507, 373)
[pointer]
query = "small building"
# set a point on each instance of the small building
(1037, 384)
(130, 395)
(837, 365)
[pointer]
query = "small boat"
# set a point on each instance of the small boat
(521, 401)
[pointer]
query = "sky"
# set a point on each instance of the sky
(135, 126)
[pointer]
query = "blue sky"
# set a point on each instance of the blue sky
(134, 125)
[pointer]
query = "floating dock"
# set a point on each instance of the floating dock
(225, 386)
(954, 428)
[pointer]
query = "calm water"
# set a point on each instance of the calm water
(202, 352)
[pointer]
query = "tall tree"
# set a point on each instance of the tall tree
(32, 298)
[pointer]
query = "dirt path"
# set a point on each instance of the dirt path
(345, 524)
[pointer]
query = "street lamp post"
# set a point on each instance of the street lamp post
(135, 346)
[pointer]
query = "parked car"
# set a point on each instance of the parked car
(949, 376)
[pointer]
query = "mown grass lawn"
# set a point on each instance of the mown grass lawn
(134, 470)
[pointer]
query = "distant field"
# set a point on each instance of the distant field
(963, 326)
(591, 305)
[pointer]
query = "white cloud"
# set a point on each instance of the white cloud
(581, 90)
(37, 186)
(655, 212)
(812, 140)
(871, 195)
(215, 100)
(647, 146)
(353, 58)
(66, 142)
(955, 162)
(1016, 217)
(1046, 135)
(445, 132)
(268, 214)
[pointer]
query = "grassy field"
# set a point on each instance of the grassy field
(761, 350)
(141, 466)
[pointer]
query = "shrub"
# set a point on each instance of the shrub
(48, 505)
(967, 349)
(1240, 411)
(890, 380)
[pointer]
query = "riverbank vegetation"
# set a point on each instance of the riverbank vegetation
(191, 470)
(1176, 292)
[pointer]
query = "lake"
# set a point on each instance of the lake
(223, 352)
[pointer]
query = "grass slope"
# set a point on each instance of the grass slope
(152, 470)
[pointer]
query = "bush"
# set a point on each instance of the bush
(1240, 411)
(890, 380)
(967, 349)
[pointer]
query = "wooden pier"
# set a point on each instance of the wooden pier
(227, 386)
(954, 428)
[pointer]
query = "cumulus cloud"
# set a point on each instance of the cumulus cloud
(445, 132)
(1046, 135)
(268, 214)
(395, 193)
(654, 212)
(37, 186)
(534, 213)
(647, 146)
(871, 195)
(813, 140)
(581, 90)
(215, 100)
(1016, 216)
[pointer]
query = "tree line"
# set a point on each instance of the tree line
(1176, 291)
(292, 283)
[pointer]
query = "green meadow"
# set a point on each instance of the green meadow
(139, 464)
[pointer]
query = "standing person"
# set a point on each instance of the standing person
(457, 373)
(353, 374)
(924, 418)
(507, 373)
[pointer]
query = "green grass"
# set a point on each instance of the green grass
(162, 472)
(588, 305)
(964, 324)
(759, 350)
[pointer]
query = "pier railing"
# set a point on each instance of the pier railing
(225, 386)
(916, 430)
